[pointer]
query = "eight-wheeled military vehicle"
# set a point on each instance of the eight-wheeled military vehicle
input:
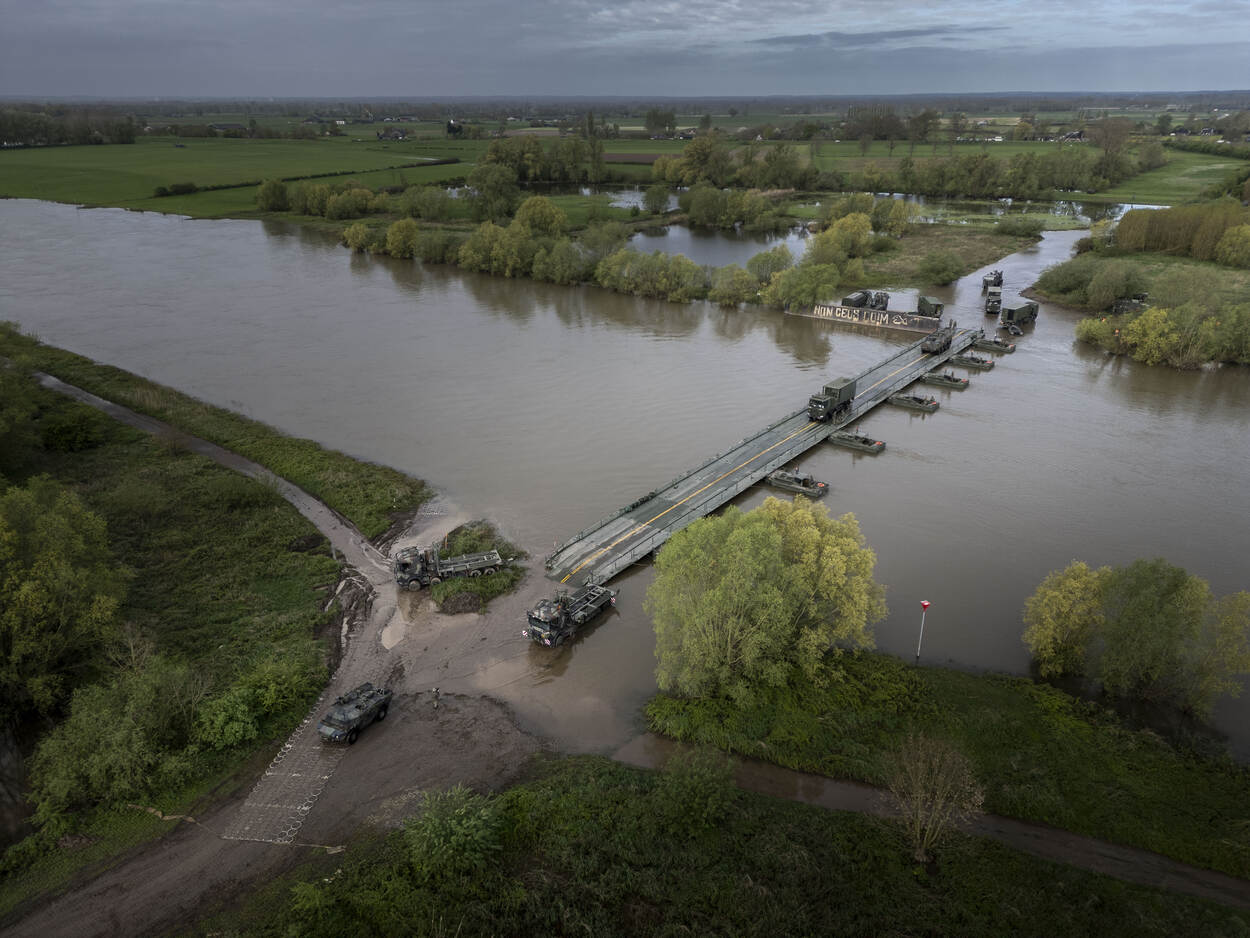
(834, 400)
(554, 621)
(352, 712)
(1019, 315)
(939, 340)
(416, 567)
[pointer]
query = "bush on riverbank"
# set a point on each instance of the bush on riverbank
(593, 847)
(1041, 754)
(369, 495)
(471, 594)
(1199, 311)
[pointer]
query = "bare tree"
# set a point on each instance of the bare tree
(933, 788)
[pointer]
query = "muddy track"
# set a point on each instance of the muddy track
(312, 799)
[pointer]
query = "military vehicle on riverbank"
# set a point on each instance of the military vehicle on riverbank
(940, 339)
(993, 301)
(833, 400)
(554, 621)
(352, 712)
(867, 299)
(796, 482)
(416, 567)
(1019, 315)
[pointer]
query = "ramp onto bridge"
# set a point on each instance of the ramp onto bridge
(604, 549)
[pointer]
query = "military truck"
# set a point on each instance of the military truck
(939, 340)
(416, 567)
(929, 306)
(993, 301)
(993, 279)
(834, 400)
(867, 299)
(1019, 315)
(554, 621)
(352, 712)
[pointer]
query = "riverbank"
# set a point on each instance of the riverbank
(371, 496)
(1194, 312)
(1040, 754)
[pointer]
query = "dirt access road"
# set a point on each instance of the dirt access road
(312, 798)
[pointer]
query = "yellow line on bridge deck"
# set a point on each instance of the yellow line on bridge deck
(627, 535)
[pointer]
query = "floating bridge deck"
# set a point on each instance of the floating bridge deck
(604, 549)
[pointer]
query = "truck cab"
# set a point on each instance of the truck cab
(412, 565)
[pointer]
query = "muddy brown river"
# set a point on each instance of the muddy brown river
(546, 408)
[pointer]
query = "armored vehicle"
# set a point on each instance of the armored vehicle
(352, 712)
(416, 567)
(555, 620)
(993, 301)
(929, 306)
(1019, 315)
(796, 482)
(834, 400)
(940, 339)
(993, 279)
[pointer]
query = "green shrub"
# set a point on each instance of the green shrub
(455, 835)
(696, 791)
(941, 267)
(73, 429)
(1022, 226)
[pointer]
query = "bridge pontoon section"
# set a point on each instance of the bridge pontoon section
(601, 551)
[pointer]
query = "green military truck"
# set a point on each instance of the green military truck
(1019, 315)
(833, 400)
(416, 567)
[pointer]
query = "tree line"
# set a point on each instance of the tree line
(40, 129)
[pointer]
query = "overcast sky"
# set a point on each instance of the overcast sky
(419, 48)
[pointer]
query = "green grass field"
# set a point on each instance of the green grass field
(1181, 180)
(128, 174)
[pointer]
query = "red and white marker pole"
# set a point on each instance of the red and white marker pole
(924, 607)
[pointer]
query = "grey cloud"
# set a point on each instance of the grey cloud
(841, 40)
